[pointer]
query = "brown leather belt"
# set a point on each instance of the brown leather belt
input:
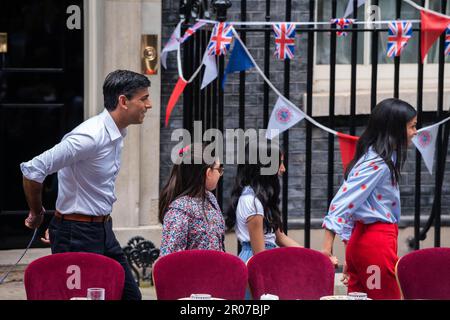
(81, 217)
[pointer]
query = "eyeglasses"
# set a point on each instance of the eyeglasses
(219, 169)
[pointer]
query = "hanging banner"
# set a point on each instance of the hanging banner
(191, 30)
(179, 88)
(431, 27)
(347, 144)
(221, 38)
(349, 9)
(171, 45)
(282, 118)
(398, 36)
(342, 24)
(284, 40)
(425, 142)
(239, 61)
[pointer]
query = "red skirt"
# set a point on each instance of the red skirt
(371, 256)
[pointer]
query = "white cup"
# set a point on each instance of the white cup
(358, 295)
(269, 296)
(96, 294)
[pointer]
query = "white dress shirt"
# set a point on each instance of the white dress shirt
(87, 160)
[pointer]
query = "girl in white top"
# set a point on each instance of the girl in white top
(254, 211)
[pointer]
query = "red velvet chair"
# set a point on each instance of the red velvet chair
(291, 273)
(180, 274)
(425, 274)
(62, 276)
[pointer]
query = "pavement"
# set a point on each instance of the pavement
(13, 287)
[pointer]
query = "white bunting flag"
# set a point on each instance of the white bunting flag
(425, 142)
(349, 9)
(282, 118)
(210, 69)
(190, 31)
(171, 45)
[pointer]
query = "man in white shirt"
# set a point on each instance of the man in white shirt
(88, 160)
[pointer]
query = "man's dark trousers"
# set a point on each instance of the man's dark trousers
(95, 237)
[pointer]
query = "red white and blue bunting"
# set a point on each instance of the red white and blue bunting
(286, 114)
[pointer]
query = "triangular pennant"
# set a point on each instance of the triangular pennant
(239, 61)
(282, 118)
(221, 38)
(210, 69)
(349, 9)
(284, 40)
(431, 27)
(191, 30)
(398, 36)
(171, 45)
(425, 142)
(342, 24)
(347, 144)
(179, 87)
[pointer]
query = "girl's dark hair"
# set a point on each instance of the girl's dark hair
(266, 187)
(187, 178)
(386, 133)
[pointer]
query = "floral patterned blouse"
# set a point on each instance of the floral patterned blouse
(187, 226)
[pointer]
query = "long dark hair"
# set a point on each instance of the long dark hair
(187, 178)
(386, 133)
(266, 188)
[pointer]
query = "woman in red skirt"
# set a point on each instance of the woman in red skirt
(366, 210)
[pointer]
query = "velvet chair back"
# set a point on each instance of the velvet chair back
(62, 276)
(291, 273)
(425, 274)
(180, 274)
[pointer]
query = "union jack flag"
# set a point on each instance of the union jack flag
(447, 41)
(191, 30)
(341, 24)
(221, 37)
(399, 34)
(284, 40)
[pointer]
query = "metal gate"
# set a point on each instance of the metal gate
(208, 105)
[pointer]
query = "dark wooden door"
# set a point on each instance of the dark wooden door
(41, 99)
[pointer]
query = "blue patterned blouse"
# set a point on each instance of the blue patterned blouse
(367, 196)
(186, 226)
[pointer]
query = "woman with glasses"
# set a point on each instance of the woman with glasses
(188, 210)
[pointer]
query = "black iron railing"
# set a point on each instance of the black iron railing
(208, 105)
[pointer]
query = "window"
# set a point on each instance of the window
(387, 12)
(385, 81)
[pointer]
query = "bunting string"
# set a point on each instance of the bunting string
(415, 5)
(285, 113)
(270, 84)
(309, 23)
(436, 124)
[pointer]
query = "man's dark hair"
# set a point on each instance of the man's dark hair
(122, 82)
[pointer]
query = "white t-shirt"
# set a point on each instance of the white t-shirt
(249, 205)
